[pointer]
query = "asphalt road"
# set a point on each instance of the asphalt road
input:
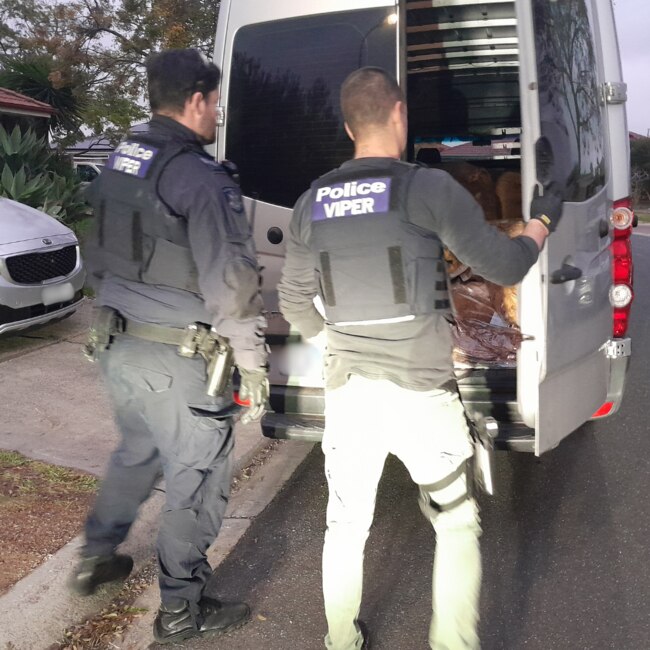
(565, 543)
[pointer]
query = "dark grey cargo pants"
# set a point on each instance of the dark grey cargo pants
(153, 390)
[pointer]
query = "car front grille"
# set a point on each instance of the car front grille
(33, 268)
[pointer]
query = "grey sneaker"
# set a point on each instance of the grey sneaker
(94, 571)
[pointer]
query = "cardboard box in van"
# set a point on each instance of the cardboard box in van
(518, 93)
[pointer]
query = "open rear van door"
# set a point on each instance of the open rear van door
(283, 64)
(564, 303)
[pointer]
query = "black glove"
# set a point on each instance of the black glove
(254, 388)
(547, 208)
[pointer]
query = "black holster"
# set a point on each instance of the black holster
(203, 340)
(484, 431)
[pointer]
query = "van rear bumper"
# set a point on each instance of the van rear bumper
(297, 413)
(512, 436)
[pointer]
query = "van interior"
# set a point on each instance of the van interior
(462, 89)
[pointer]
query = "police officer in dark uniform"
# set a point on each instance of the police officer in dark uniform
(177, 286)
(367, 239)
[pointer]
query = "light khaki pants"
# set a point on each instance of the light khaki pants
(365, 420)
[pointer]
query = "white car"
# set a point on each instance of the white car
(41, 271)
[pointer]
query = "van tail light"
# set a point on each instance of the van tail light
(622, 216)
(621, 293)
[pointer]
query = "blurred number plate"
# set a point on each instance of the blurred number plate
(301, 363)
(57, 293)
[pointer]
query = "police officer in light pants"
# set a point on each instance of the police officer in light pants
(367, 238)
(178, 288)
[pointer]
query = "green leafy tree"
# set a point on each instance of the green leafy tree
(97, 49)
(36, 77)
(640, 160)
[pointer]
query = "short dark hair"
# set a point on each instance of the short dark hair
(368, 96)
(173, 76)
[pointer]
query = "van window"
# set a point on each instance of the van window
(284, 126)
(570, 108)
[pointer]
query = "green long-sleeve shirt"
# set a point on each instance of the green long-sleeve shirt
(415, 354)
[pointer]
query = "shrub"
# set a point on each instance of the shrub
(33, 174)
(640, 158)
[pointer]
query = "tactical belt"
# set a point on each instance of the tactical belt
(155, 333)
(196, 338)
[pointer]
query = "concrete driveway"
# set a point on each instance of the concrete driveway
(52, 401)
(53, 408)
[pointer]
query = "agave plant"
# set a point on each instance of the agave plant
(32, 174)
(17, 187)
(18, 149)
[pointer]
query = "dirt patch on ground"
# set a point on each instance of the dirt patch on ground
(42, 507)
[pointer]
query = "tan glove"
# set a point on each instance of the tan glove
(254, 393)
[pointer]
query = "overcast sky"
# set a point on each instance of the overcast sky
(633, 27)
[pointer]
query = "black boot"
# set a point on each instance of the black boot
(366, 635)
(174, 624)
(216, 617)
(98, 569)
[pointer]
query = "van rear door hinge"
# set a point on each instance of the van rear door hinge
(615, 92)
(618, 348)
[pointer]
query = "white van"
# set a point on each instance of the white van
(532, 87)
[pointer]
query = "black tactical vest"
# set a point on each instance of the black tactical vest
(137, 237)
(373, 264)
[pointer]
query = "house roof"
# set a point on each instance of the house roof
(93, 143)
(100, 143)
(13, 102)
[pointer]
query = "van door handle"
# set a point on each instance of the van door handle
(566, 274)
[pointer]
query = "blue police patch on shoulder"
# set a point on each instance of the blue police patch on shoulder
(234, 200)
(132, 158)
(210, 162)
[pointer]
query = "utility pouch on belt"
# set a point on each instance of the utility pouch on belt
(218, 355)
(107, 322)
(484, 431)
